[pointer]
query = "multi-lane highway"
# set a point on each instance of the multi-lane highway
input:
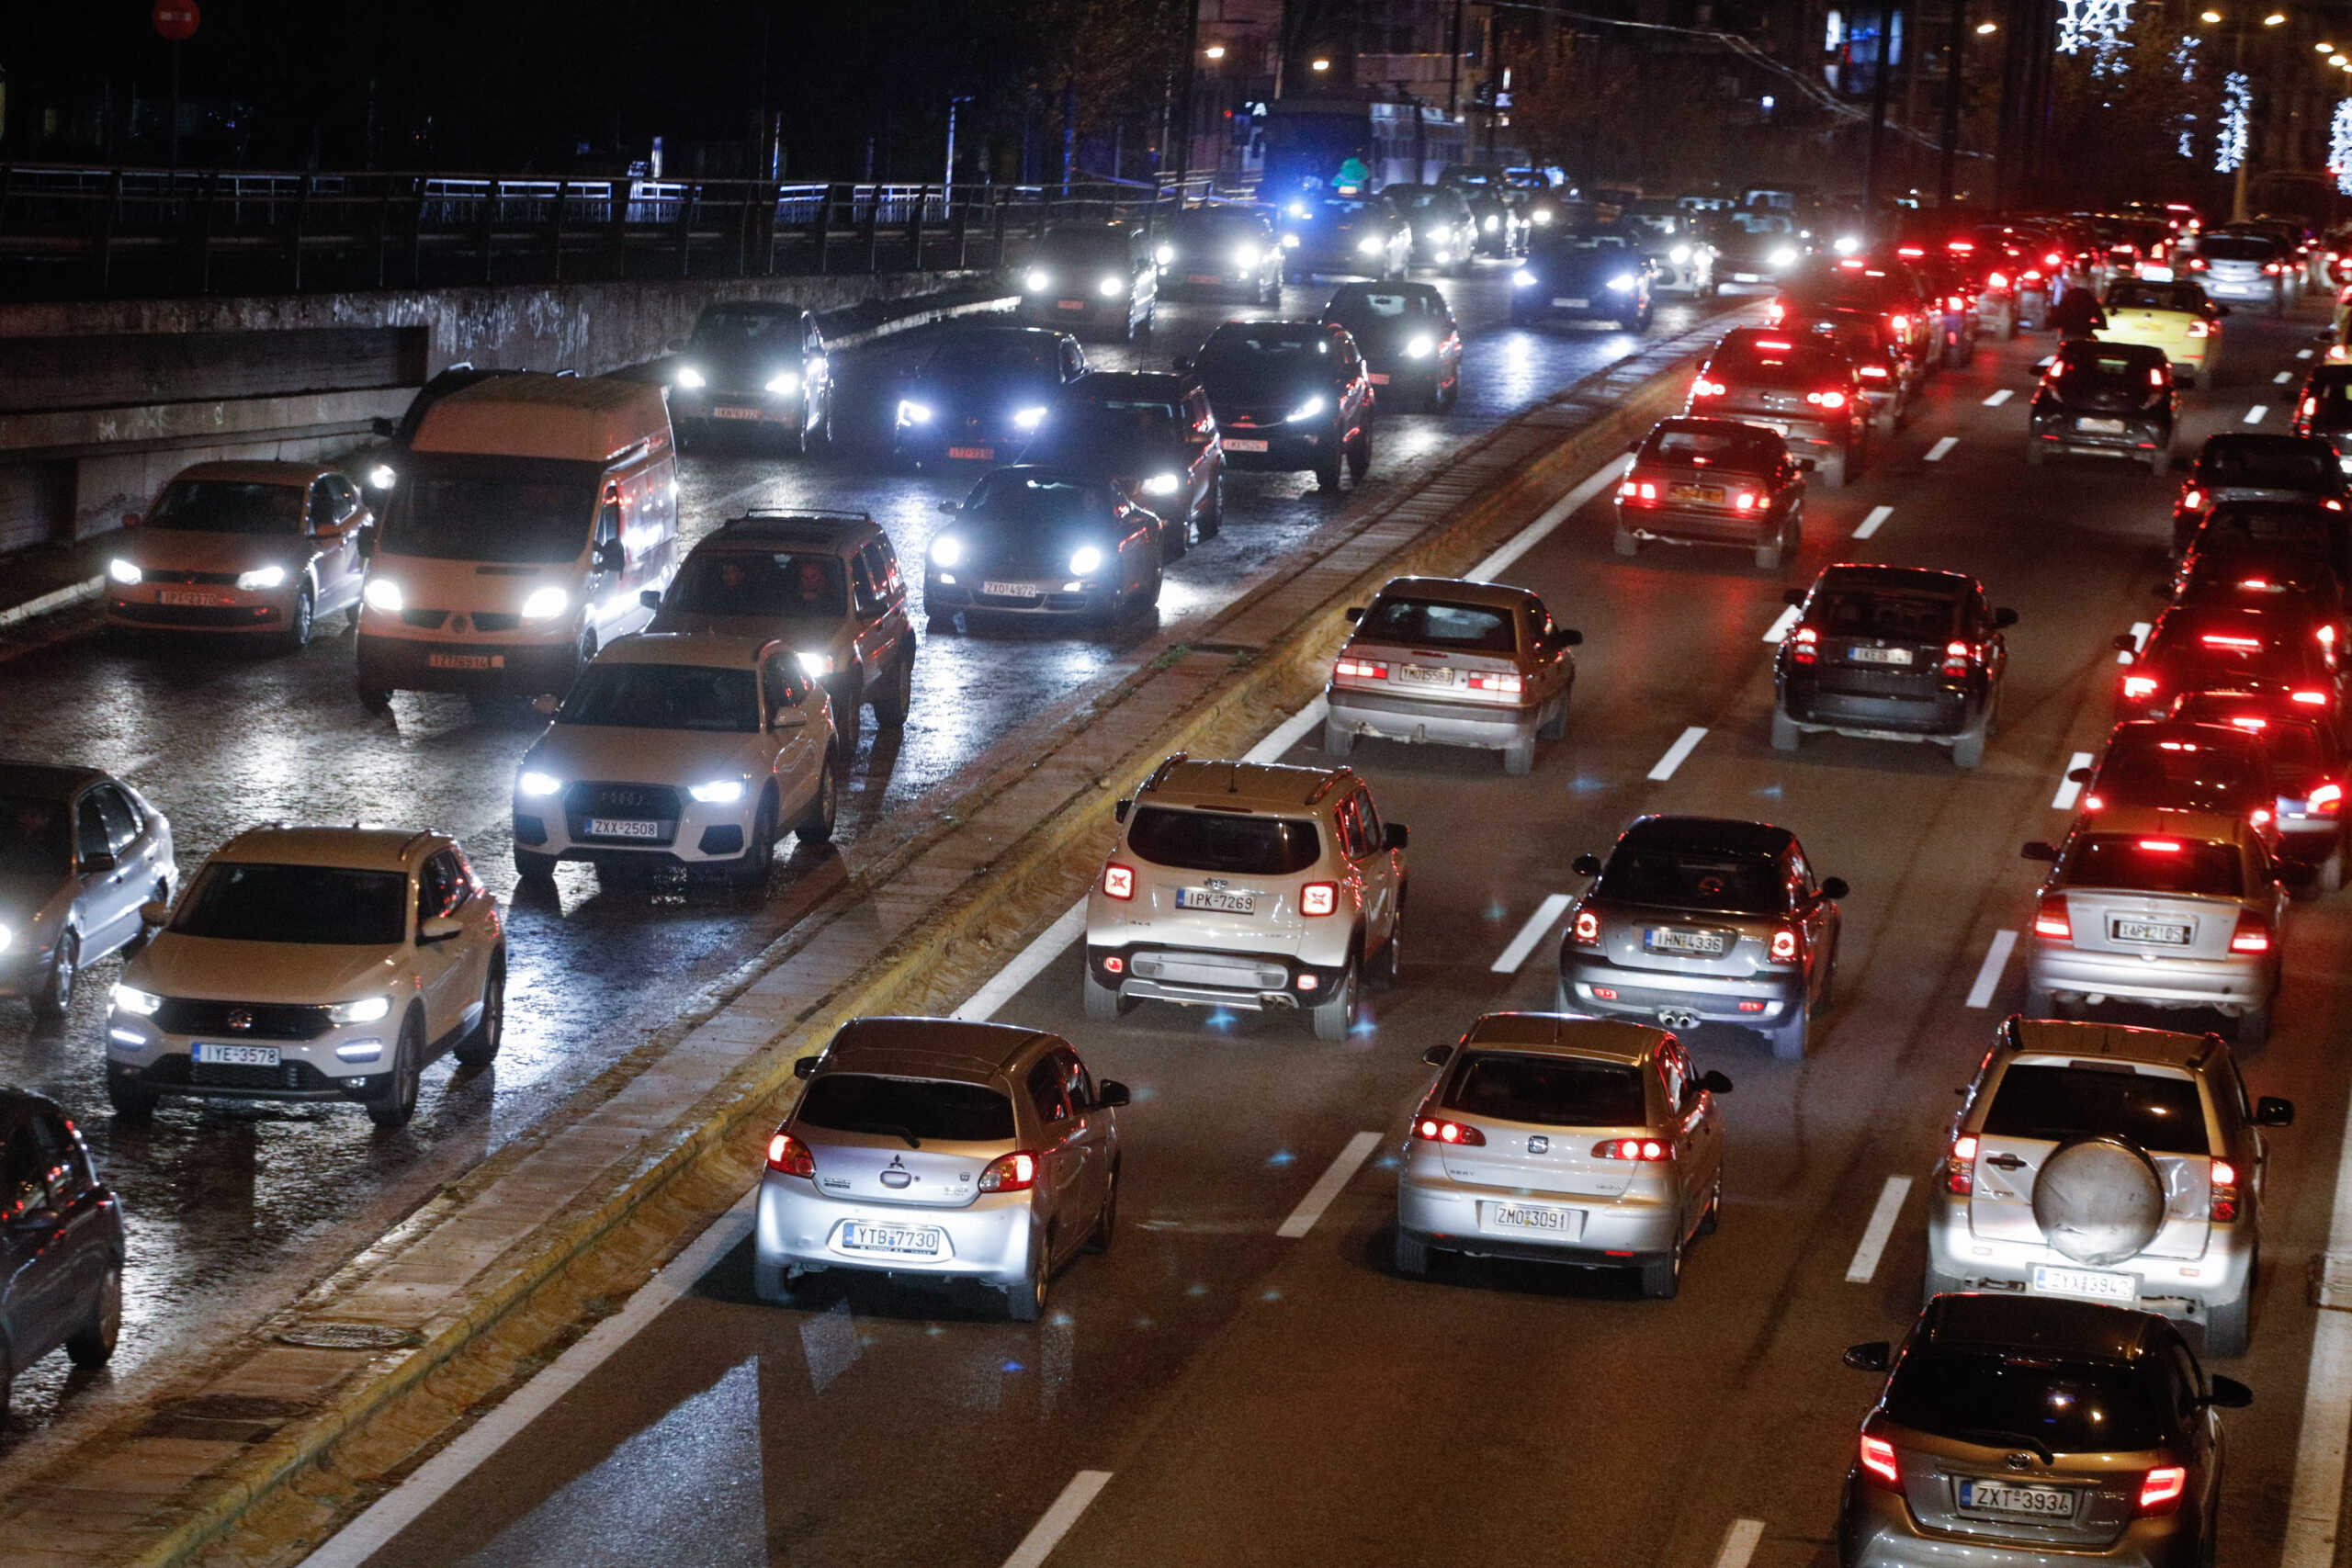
(1244, 1379)
(233, 1208)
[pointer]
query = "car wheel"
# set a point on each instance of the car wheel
(1519, 756)
(2329, 878)
(130, 1103)
(1333, 1019)
(2040, 1003)
(1106, 1218)
(897, 697)
(92, 1344)
(1786, 736)
(375, 699)
(1834, 473)
(1768, 551)
(300, 623)
(2252, 1027)
(1360, 455)
(55, 997)
(1412, 1254)
(1025, 1300)
(1556, 725)
(1661, 1277)
(1709, 1221)
(2229, 1326)
(773, 1282)
(1105, 1004)
(1624, 542)
(1792, 1040)
(750, 872)
(1389, 969)
(1327, 473)
(478, 1048)
(1338, 739)
(1968, 746)
(395, 1102)
(1213, 516)
(816, 825)
(535, 868)
(2033, 452)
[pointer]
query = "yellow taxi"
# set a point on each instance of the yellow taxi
(2175, 317)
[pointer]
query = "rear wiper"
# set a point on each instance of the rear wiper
(912, 1142)
(2001, 1440)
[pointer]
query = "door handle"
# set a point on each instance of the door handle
(2005, 1162)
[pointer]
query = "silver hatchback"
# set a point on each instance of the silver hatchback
(1562, 1140)
(929, 1146)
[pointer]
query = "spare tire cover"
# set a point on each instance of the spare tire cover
(2098, 1200)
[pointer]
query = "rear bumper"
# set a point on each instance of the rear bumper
(2230, 984)
(1425, 721)
(1940, 717)
(2137, 439)
(1672, 525)
(2182, 1288)
(987, 1240)
(1615, 1232)
(1876, 1529)
(1646, 993)
(1212, 977)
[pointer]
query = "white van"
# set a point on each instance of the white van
(525, 519)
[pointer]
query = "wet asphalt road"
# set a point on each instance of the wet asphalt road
(233, 1208)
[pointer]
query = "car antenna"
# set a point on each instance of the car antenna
(1233, 780)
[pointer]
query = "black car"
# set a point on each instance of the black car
(755, 367)
(2323, 410)
(1288, 395)
(1223, 248)
(982, 393)
(2243, 467)
(1092, 276)
(1892, 653)
(1152, 434)
(1346, 236)
(1408, 336)
(2313, 529)
(2110, 399)
(1804, 391)
(61, 1243)
(1037, 541)
(1583, 277)
(1445, 234)
(1696, 480)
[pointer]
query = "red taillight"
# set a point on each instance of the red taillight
(1900, 324)
(2191, 499)
(1960, 1165)
(1957, 658)
(1878, 1463)
(2310, 699)
(1996, 280)
(790, 1155)
(2252, 934)
(1744, 500)
(1114, 964)
(1437, 1129)
(2094, 803)
(2053, 260)
(1784, 945)
(1804, 646)
(1774, 345)
(2156, 377)
(1016, 1173)
(1647, 1151)
(2310, 407)
(1702, 388)
(1318, 898)
(2139, 688)
(1826, 400)
(1585, 929)
(1637, 489)
(2260, 817)
(2223, 1179)
(2270, 267)
(2049, 922)
(2161, 846)
(2197, 264)
(1361, 669)
(2199, 329)
(2223, 639)
(1507, 683)
(1118, 882)
(2161, 1488)
(2031, 277)
(2326, 800)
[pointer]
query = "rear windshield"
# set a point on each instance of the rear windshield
(1788, 365)
(2302, 528)
(2236, 247)
(1549, 1090)
(2053, 1103)
(1742, 446)
(33, 839)
(2156, 296)
(1694, 879)
(325, 905)
(2270, 467)
(2226, 655)
(221, 507)
(664, 696)
(918, 1108)
(755, 583)
(1217, 840)
(2147, 864)
(2194, 774)
(1468, 628)
(1878, 611)
(2093, 370)
(512, 521)
(2293, 744)
(1996, 1397)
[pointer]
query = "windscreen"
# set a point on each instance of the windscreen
(2128, 295)
(1694, 879)
(1361, 309)
(1998, 1398)
(1079, 427)
(1218, 223)
(328, 906)
(228, 506)
(750, 582)
(1223, 842)
(1088, 247)
(1432, 623)
(1010, 356)
(516, 519)
(924, 1108)
(1033, 499)
(2236, 247)
(1272, 350)
(1881, 612)
(1739, 446)
(34, 838)
(664, 697)
(1551, 1091)
(771, 332)
(2053, 1103)
(2146, 863)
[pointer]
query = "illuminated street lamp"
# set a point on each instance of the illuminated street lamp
(1215, 51)
(2275, 19)
(1319, 64)
(1985, 29)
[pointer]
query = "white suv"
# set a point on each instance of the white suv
(1247, 884)
(313, 964)
(675, 749)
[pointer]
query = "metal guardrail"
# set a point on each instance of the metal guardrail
(73, 231)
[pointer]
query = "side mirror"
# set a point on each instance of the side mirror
(1396, 836)
(154, 912)
(547, 704)
(2124, 642)
(2004, 618)
(1715, 1083)
(1181, 364)
(2229, 1393)
(1110, 1094)
(951, 507)
(1586, 865)
(384, 426)
(1794, 596)
(1567, 636)
(97, 862)
(609, 557)
(804, 1067)
(649, 597)
(1119, 812)
(2079, 775)
(440, 927)
(1438, 1055)
(2036, 849)
(1870, 1356)
(787, 716)
(2272, 1112)
(130, 520)
(1353, 613)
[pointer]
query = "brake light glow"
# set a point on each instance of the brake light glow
(1586, 931)
(2139, 688)
(1702, 388)
(2310, 407)
(1957, 656)
(1318, 898)
(2199, 329)
(2160, 1490)
(1784, 945)
(2053, 259)
(2252, 934)
(1826, 400)
(1774, 345)
(1119, 882)
(1960, 1165)
(1361, 669)
(2270, 267)
(1776, 312)
(2094, 803)
(2326, 799)
(1804, 644)
(1508, 683)
(2256, 725)
(2221, 640)
(1961, 247)
(1016, 1173)
(2192, 498)
(1900, 324)
(2223, 1179)
(1878, 1462)
(1744, 500)
(2310, 699)
(1646, 1151)
(2161, 846)
(1435, 1129)
(1996, 280)
(790, 1155)
(2049, 922)
(2156, 377)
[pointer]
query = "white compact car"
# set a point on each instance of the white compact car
(687, 750)
(313, 964)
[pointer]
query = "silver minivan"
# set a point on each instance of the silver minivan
(933, 1147)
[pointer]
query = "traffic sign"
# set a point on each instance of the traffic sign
(176, 19)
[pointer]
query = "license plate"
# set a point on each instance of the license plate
(1879, 655)
(1379, 377)
(1425, 674)
(2092, 1284)
(1010, 589)
(2007, 1497)
(1216, 898)
(465, 660)
(1667, 939)
(184, 596)
(1071, 305)
(2100, 426)
(1202, 278)
(1711, 494)
(923, 1240)
(973, 454)
(1242, 444)
(1566, 1224)
(1565, 303)
(236, 1055)
(2163, 931)
(736, 414)
(622, 828)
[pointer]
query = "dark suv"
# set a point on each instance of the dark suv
(1807, 391)
(1892, 653)
(2110, 400)
(1289, 395)
(61, 1243)
(2235, 466)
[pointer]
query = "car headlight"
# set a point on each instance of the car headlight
(123, 571)
(366, 1009)
(718, 792)
(1623, 283)
(816, 666)
(537, 786)
(382, 477)
(1084, 559)
(1846, 244)
(136, 1002)
(544, 603)
(1306, 411)
(1678, 255)
(948, 550)
(913, 413)
(1522, 278)
(1370, 245)
(1165, 254)
(1785, 255)
(785, 383)
(1112, 287)
(1493, 222)
(1298, 209)
(1161, 484)
(690, 377)
(1038, 281)
(261, 577)
(383, 593)
(1420, 347)
(1290, 242)
(8, 938)
(1433, 235)
(1029, 418)
(1543, 215)
(1246, 255)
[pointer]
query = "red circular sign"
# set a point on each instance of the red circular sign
(176, 19)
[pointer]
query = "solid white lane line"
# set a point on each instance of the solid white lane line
(1739, 1544)
(1288, 733)
(1936, 453)
(1989, 974)
(1998, 398)
(1046, 1534)
(2253, 415)
(1870, 525)
(2067, 789)
(2313, 1508)
(1553, 907)
(1677, 752)
(1026, 965)
(1318, 1197)
(1875, 1233)
(2140, 635)
(2282, 378)
(1550, 518)
(369, 1534)
(1781, 624)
